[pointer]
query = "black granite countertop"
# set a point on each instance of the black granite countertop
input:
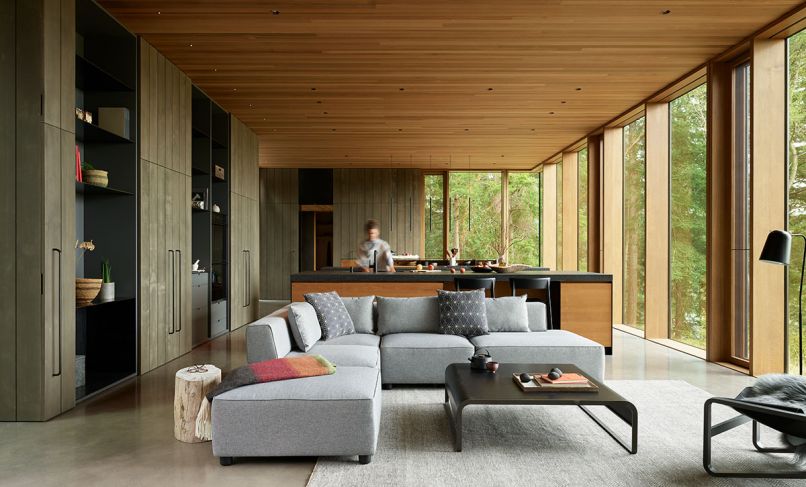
(443, 276)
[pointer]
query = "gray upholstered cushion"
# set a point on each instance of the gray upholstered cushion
(269, 337)
(408, 315)
(304, 325)
(333, 317)
(331, 415)
(507, 314)
(360, 311)
(549, 347)
(462, 313)
(363, 339)
(345, 355)
(421, 358)
(537, 315)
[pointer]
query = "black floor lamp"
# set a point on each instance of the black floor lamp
(777, 250)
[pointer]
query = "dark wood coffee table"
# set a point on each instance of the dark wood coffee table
(465, 386)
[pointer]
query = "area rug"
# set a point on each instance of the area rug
(552, 446)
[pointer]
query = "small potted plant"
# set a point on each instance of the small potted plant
(107, 286)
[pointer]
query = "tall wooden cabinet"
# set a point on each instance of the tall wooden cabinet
(280, 230)
(165, 211)
(37, 344)
(244, 225)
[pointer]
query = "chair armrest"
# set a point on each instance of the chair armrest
(267, 338)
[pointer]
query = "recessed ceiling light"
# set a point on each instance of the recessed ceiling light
(159, 13)
(319, 101)
(467, 130)
(402, 89)
(275, 12)
(533, 130)
(345, 155)
(579, 89)
(325, 113)
(235, 89)
(551, 113)
(191, 45)
(215, 70)
(489, 89)
(502, 155)
(313, 89)
(333, 130)
(665, 12)
(563, 102)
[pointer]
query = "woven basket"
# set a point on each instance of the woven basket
(87, 290)
(95, 177)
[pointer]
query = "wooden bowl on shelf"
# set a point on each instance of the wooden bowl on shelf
(87, 290)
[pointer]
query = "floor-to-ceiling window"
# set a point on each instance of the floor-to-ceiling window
(634, 236)
(560, 216)
(740, 222)
(687, 287)
(582, 206)
(434, 205)
(474, 219)
(524, 217)
(797, 180)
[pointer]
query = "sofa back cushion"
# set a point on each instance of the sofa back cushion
(507, 314)
(537, 316)
(361, 311)
(304, 325)
(408, 315)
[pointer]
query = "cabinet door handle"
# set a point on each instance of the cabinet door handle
(173, 275)
(245, 279)
(179, 288)
(56, 367)
(410, 214)
(248, 278)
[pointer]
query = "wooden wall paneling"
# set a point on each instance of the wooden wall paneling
(149, 262)
(657, 221)
(768, 196)
(68, 66)
(186, 260)
(594, 202)
(154, 119)
(145, 99)
(276, 253)
(67, 261)
(612, 205)
(236, 262)
(356, 289)
(171, 245)
(51, 39)
(720, 249)
(549, 241)
(162, 119)
(594, 320)
(570, 211)
(8, 214)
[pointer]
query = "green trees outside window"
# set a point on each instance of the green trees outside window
(434, 209)
(582, 206)
(796, 180)
(634, 238)
(524, 217)
(688, 122)
(475, 213)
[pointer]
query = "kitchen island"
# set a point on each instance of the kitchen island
(581, 301)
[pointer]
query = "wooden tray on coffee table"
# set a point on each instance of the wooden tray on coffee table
(539, 385)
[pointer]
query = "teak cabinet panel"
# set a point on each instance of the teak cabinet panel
(279, 226)
(244, 260)
(244, 174)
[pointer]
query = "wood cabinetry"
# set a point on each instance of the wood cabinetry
(391, 196)
(244, 225)
(37, 342)
(279, 227)
(165, 212)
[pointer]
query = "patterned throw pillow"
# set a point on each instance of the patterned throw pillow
(333, 316)
(462, 313)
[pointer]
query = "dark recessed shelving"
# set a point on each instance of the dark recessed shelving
(216, 179)
(199, 133)
(91, 77)
(218, 145)
(87, 132)
(219, 263)
(93, 304)
(199, 210)
(85, 188)
(200, 171)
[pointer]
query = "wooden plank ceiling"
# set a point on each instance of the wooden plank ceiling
(432, 83)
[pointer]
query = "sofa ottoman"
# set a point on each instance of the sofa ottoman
(331, 415)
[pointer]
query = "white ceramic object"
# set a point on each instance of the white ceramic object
(107, 291)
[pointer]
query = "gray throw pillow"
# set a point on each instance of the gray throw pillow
(360, 311)
(507, 314)
(462, 313)
(333, 317)
(304, 325)
(408, 315)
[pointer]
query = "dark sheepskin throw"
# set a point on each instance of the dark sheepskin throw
(786, 390)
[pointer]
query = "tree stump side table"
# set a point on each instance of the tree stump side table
(190, 387)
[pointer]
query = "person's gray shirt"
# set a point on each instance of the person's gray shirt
(366, 254)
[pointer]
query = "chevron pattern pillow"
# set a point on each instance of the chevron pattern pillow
(462, 313)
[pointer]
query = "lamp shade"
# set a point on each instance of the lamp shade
(777, 248)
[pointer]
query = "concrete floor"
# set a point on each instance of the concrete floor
(125, 436)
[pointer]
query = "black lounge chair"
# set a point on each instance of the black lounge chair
(784, 419)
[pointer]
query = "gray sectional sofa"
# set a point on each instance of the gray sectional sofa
(397, 342)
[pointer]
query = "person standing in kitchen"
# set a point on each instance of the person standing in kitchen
(375, 248)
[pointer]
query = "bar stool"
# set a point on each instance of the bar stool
(539, 283)
(475, 283)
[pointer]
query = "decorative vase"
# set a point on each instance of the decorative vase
(502, 261)
(108, 291)
(86, 290)
(95, 177)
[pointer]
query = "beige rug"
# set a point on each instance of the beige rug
(553, 446)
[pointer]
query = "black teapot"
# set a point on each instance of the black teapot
(479, 361)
